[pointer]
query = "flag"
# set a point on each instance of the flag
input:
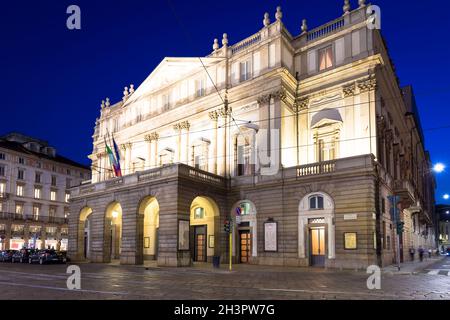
(117, 153)
(112, 159)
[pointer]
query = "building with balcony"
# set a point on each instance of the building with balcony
(34, 193)
(298, 138)
(443, 216)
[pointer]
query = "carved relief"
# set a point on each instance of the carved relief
(349, 91)
(276, 95)
(367, 85)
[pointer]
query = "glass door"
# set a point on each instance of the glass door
(317, 240)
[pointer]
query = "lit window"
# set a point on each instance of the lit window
(316, 203)
(2, 187)
(53, 195)
(245, 208)
(19, 190)
(1, 206)
(67, 197)
(36, 211)
(19, 208)
(37, 193)
(325, 58)
(199, 213)
(245, 70)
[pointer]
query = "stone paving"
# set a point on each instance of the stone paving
(99, 281)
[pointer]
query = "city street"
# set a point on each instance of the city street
(23, 281)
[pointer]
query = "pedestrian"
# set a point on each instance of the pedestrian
(412, 251)
(430, 253)
(421, 251)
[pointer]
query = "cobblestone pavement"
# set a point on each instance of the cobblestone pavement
(23, 281)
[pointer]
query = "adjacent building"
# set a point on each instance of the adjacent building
(34, 193)
(443, 215)
(297, 138)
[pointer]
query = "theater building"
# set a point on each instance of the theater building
(299, 138)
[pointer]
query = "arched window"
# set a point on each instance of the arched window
(316, 202)
(199, 213)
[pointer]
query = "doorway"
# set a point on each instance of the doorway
(318, 249)
(199, 253)
(245, 245)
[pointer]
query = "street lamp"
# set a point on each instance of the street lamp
(446, 197)
(439, 168)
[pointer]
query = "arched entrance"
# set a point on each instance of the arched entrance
(149, 208)
(113, 231)
(245, 230)
(84, 233)
(316, 233)
(204, 217)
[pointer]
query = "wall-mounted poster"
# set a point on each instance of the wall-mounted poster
(350, 241)
(211, 241)
(183, 235)
(270, 236)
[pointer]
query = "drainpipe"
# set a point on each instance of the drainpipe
(378, 214)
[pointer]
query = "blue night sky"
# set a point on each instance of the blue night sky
(53, 79)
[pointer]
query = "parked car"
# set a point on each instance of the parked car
(6, 255)
(47, 256)
(22, 255)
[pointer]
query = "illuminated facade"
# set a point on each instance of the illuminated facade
(305, 133)
(34, 193)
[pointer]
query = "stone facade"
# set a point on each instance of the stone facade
(306, 134)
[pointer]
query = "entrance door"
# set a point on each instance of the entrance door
(245, 241)
(85, 244)
(200, 244)
(317, 240)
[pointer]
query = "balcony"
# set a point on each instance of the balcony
(405, 190)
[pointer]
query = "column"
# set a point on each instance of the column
(184, 142)
(129, 146)
(221, 144)
(149, 153)
(178, 151)
(155, 138)
(212, 165)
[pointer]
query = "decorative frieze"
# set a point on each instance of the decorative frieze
(182, 125)
(303, 103)
(214, 115)
(154, 136)
(367, 85)
(349, 91)
(279, 94)
(126, 146)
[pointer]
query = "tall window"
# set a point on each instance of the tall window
(244, 208)
(200, 156)
(53, 195)
(37, 192)
(67, 197)
(2, 187)
(54, 181)
(166, 101)
(316, 202)
(21, 160)
(327, 150)
(19, 208)
(20, 174)
(2, 156)
(325, 58)
(2, 171)
(200, 86)
(36, 212)
(52, 213)
(245, 70)
(199, 213)
(19, 190)
(37, 177)
(245, 162)
(1, 207)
